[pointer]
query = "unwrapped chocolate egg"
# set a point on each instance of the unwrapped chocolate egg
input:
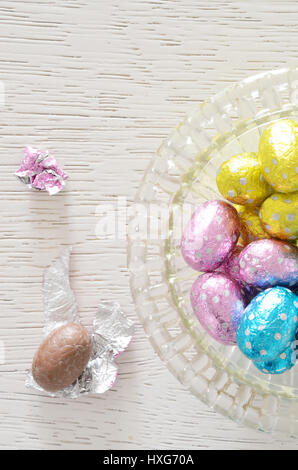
(240, 180)
(279, 215)
(210, 235)
(269, 324)
(218, 303)
(251, 226)
(62, 357)
(278, 155)
(268, 263)
(283, 362)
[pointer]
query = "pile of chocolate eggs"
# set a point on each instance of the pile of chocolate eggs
(246, 252)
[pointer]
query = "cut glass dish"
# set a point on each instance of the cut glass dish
(180, 177)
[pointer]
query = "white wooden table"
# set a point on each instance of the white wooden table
(100, 83)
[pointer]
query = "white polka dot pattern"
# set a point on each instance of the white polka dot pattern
(266, 331)
(278, 155)
(240, 180)
(279, 215)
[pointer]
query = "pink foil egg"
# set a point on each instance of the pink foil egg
(210, 235)
(218, 304)
(268, 263)
(231, 268)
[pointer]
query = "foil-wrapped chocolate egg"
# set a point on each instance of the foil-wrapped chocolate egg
(278, 155)
(240, 180)
(230, 266)
(279, 215)
(251, 226)
(283, 362)
(269, 324)
(243, 239)
(218, 303)
(268, 263)
(210, 235)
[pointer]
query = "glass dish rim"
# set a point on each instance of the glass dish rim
(238, 85)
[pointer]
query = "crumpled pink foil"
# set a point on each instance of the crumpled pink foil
(40, 171)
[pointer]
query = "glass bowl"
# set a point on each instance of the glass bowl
(179, 178)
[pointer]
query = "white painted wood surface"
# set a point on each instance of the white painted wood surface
(100, 83)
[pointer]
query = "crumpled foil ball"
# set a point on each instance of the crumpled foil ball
(111, 333)
(40, 171)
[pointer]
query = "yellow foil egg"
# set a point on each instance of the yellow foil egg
(240, 180)
(279, 215)
(278, 155)
(251, 226)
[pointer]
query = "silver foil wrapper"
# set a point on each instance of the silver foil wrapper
(111, 333)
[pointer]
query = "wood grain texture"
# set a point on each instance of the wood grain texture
(100, 83)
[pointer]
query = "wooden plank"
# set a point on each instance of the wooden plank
(100, 84)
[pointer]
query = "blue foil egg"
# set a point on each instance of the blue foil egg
(283, 362)
(268, 325)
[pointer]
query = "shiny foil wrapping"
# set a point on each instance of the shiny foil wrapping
(218, 304)
(283, 362)
(269, 325)
(111, 333)
(240, 180)
(279, 215)
(230, 266)
(210, 235)
(278, 155)
(268, 263)
(251, 225)
(40, 171)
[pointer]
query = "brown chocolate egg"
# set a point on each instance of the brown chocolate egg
(62, 357)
